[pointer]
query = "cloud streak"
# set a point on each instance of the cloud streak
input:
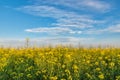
(114, 28)
(110, 29)
(97, 5)
(53, 30)
(84, 5)
(66, 22)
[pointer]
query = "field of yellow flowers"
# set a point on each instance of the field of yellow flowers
(59, 63)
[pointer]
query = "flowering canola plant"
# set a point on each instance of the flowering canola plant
(59, 63)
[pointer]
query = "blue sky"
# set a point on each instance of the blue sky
(88, 22)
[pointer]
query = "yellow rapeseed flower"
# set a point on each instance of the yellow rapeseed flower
(97, 69)
(53, 78)
(75, 67)
(112, 64)
(101, 76)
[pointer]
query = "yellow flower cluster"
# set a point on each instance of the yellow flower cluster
(59, 63)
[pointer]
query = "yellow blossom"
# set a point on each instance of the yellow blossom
(101, 76)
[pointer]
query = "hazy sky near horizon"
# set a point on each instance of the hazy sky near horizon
(60, 21)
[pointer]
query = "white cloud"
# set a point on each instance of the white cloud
(95, 31)
(110, 29)
(97, 5)
(44, 11)
(63, 18)
(53, 30)
(60, 15)
(84, 5)
(114, 28)
(65, 21)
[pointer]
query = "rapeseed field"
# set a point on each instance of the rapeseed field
(59, 63)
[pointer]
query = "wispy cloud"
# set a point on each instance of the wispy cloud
(109, 29)
(67, 22)
(44, 11)
(84, 5)
(63, 18)
(114, 28)
(53, 30)
(97, 5)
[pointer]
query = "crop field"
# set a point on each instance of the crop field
(59, 63)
